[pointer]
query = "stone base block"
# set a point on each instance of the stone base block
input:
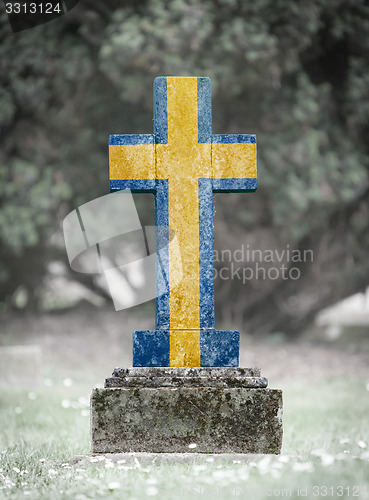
(218, 418)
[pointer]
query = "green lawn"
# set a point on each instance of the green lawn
(325, 451)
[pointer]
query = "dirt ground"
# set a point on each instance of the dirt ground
(86, 343)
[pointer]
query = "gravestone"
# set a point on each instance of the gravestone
(185, 387)
(20, 366)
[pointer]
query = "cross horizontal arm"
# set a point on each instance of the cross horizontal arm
(132, 162)
(234, 162)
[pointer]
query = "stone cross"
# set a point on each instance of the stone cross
(183, 164)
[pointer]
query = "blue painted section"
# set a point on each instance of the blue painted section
(219, 347)
(206, 262)
(204, 110)
(234, 185)
(151, 348)
(160, 110)
(138, 186)
(162, 255)
(234, 139)
(130, 139)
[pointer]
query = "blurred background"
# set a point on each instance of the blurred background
(294, 73)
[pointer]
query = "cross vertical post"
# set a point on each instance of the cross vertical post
(183, 164)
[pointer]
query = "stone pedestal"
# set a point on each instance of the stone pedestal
(164, 410)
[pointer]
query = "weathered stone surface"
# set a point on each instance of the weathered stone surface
(186, 372)
(254, 382)
(186, 377)
(217, 420)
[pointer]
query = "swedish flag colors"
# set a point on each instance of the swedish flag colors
(183, 164)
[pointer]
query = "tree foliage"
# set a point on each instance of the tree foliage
(294, 73)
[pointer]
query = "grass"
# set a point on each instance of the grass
(325, 451)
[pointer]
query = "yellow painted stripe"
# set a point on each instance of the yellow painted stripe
(182, 161)
(130, 162)
(184, 347)
(234, 161)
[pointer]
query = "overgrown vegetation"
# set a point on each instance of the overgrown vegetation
(325, 452)
(295, 74)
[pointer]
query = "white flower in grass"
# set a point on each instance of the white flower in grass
(121, 461)
(42, 460)
(275, 473)
(264, 464)
(67, 382)
(94, 459)
(192, 446)
(210, 459)
(18, 410)
(85, 413)
(318, 453)
(114, 485)
(15, 469)
(200, 467)
(124, 467)
(84, 402)
(341, 456)
(152, 491)
(344, 440)
(303, 467)
(65, 403)
(52, 472)
(26, 492)
(218, 473)
(327, 460)
(361, 444)
(32, 396)
(109, 465)
(243, 474)
(152, 480)
(277, 465)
